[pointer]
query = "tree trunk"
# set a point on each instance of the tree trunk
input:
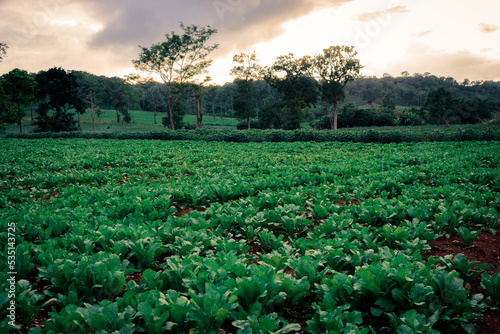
(248, 122)
(117, 117)
(155, 115)
(21, 126)
(92, 112)
(213, 109)
(169, 111)
(335, 113)
(79, 125)
(199, 112)
(32, 115)
(335, 119)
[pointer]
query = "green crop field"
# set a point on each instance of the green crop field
(122, 236)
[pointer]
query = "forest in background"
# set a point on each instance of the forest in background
(369, 101)
(388, 93)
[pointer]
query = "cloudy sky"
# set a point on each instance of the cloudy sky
(457, 38)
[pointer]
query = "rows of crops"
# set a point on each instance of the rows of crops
(154, 236)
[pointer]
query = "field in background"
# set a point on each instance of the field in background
(144, 121)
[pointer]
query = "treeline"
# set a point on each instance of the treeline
(465, 102)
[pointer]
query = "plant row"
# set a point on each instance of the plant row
(379, 135)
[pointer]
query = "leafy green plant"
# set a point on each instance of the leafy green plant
(268, 240)
(95, 277)
(413, 322)
(145, 251)
(342, 319)
(305, 266)
(467, 236)
(467, 269)
(105, 317)
(211, 308)
(154, 314)
(265, 324)
(455, 309)
(29, 302)
(320, 211)
(491, 283)
(68, 320)
(24, 260)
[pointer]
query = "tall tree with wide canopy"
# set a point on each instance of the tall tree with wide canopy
(20, 88)
(336, 67)
(297, 87)
(246, 71)
(57, 92)
(178, 60)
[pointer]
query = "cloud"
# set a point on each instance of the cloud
(369, 16)
(423, 33)
(128, 22)
(104, 35)
(486, 28)
(420, 58)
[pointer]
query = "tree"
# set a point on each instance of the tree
(178, 111)
(389, 103)
(337, 65)
(474, 110)
(179, 59)
(439, 104)
(88, 87)
(298, 89)
(58, 92)
(155, 97)
(246, 72)
(198, 91)
(116, 91)
(20, 88)
(3, 50)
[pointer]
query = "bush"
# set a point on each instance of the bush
(349, 116)
(253, 125)
(255, 135)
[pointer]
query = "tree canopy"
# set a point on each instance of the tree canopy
(178, 59)
(337, 66)
(289, 76)
(439, 104)
(57, 94)
(20, 89)
(246, 71)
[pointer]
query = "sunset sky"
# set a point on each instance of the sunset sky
(457, 38)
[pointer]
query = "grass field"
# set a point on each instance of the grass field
(197, 237)
(144, 121)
